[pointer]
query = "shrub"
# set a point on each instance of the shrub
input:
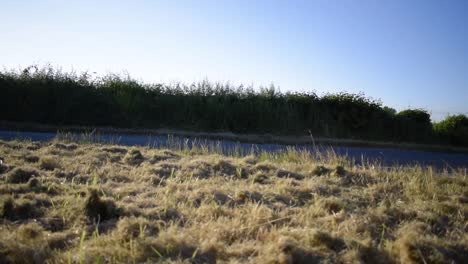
(414, 125)
(453, 129)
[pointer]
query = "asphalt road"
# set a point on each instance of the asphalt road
(385, 156)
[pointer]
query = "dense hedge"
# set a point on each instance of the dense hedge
(50, 96)
(454, 130)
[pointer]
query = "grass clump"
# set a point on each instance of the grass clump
(24, 244)
(320, 170)
(33, 183)
(21, 175)
(291, 252)
(261, 178)
(134, 157)
(19, 209)
(164, 156)
(135, 227)
(415, 245)
(31, 158)
(282, 173)
(339, 171)
(320, 238)
(226, 168)
(99, 209)
(3, 168)
(49, 163)
(8, 208)
(330, 205)
(66, 147)
(117, 150)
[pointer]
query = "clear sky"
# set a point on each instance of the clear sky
(408, 53)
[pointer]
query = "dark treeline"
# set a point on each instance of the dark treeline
(50, 96)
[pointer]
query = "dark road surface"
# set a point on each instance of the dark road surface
(386, 156)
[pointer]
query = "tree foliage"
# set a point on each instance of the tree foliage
(454, 130)
(48, 95)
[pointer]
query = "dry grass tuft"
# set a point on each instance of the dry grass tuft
(97, 208)
(320, 170)
(3, 168)
(165, 155)
(281, 173)
(33, 183)
(118, 150)
(49, 163)
(290, 252)
(330, 205)
(266, 167)
(339, 171)
(26, 244)
(320, 238)
(226, 168)
(21, 175)
(66, 147)
(33, 146)
(134, 157)
(19, 209)
(261, 178)
(129, 228)
(415, 245)
(197, 168)
(31, 158)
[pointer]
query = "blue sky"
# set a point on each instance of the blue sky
(408, 53)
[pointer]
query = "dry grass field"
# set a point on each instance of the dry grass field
(62, 202)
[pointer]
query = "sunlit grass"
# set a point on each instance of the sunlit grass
(82, 201)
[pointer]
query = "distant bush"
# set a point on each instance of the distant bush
(453, 129)
(414, 125)
(50, 96)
